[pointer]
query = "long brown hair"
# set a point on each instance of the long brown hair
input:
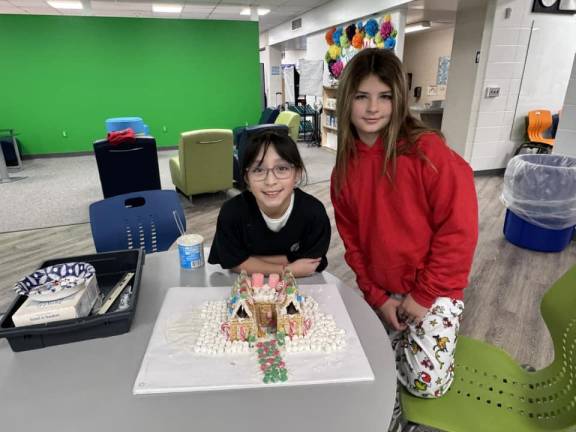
(383, 64)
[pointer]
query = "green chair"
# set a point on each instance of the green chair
(292, 120)
(491, 392)
(204, 162)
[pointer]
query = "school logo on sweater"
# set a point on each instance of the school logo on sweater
(295, 247)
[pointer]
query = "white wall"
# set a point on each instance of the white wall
(421, 53)
(552, 42)
(566, 134)
(292, 56)
(542, 80)
(271, 57)
(330, 14)
(472, 27)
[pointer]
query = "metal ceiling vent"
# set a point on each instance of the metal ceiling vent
(297, 23)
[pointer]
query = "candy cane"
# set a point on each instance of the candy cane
(242, 333)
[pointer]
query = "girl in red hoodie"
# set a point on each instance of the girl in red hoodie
(406, 209)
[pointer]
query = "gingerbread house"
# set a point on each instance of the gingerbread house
(257, 310)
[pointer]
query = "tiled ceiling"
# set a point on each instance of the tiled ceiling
(280, 10)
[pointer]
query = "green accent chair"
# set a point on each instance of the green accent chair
(491, 392)
(204, 161)
(292, 120)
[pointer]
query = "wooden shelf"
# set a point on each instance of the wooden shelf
(329, 133)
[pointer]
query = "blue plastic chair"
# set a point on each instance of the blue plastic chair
(134, 220)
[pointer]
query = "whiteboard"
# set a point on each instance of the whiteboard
(311, 77)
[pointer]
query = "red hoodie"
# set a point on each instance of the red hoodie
(414, 235)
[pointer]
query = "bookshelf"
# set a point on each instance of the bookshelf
(329, 125)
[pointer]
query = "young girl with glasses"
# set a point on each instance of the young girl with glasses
(273, 226)
(405, 206)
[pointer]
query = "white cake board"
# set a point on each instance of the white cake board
(167, 368)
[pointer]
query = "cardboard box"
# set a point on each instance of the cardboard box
(74, 306)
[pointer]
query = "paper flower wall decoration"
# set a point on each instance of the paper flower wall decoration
(378, 40)
(350, 31)
(371, 27)
(329, 36)
(358, 40)
(386, 27)
(337, 68)
(334, 51)
(336, 35)
(345, 42)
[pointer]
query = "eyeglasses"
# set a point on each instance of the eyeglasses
(281, 172)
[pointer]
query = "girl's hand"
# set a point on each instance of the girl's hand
(389, 312)
(303, 266)
(411, 312)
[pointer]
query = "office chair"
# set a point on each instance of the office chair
(539, 124)
(130, 166)
(269, 115)
(292, 120)
(141, 219)
(491, 392)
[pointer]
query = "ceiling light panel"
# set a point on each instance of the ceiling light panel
(66, 4)
(167, 8)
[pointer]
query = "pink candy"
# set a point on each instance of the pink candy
(273, 280)
(257, 280)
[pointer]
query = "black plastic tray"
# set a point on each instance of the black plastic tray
(110, 267)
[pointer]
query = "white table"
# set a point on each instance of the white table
(87, 386)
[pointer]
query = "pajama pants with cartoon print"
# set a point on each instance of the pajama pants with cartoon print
(425, 350)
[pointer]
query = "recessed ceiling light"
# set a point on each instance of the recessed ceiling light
(62, 4)
(261, 11)
(167, 8)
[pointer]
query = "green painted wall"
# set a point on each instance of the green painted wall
(67, 75)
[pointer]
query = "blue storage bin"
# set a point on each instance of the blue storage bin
(529, 236)
(121, 123)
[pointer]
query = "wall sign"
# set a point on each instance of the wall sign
(554, 6)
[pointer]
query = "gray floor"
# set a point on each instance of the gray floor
(58, 191)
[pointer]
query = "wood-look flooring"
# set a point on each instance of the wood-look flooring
(502, 301)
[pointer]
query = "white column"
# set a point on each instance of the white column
(566, 134)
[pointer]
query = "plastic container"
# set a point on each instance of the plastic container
(541, 189)
(121, 123)
(529, 236)
(110, 268)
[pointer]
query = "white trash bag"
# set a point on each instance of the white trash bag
(541, 189)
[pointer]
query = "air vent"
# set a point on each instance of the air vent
(297, 23)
